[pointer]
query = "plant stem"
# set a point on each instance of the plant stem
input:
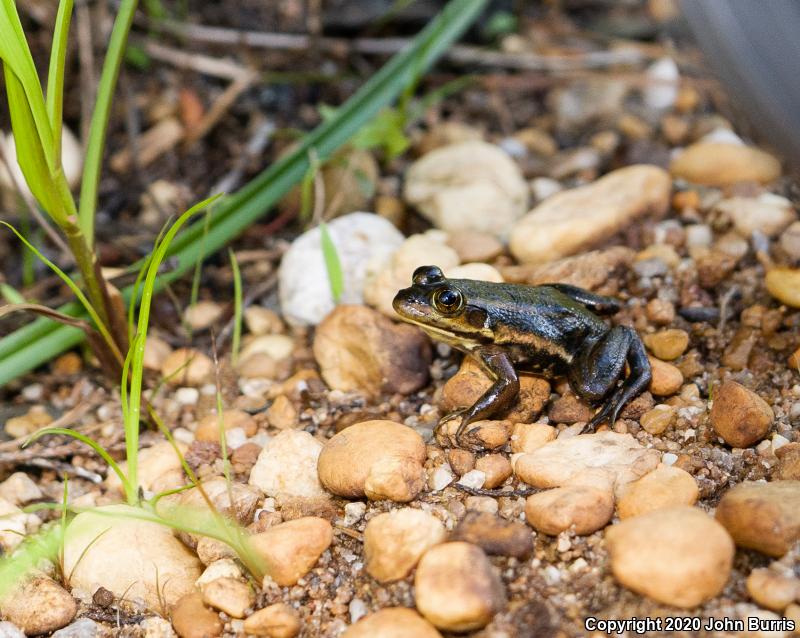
(100, 117)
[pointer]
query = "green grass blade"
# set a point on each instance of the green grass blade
(237, 308)
(40, 341)
(55, 73)
(332, 263)
(100, 117)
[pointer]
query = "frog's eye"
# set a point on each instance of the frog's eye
(427, 275)
(448, 300)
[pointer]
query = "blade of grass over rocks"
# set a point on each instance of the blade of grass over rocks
(237, 308)
(39, 341)
(332, 263)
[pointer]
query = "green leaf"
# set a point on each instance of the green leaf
(332, 263)
(36, 343)
(237, 307)
(55, 73)
(386, 132)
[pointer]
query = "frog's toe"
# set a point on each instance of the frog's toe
(444, 434)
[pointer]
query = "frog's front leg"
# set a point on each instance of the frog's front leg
(498, 397)
(596, 371)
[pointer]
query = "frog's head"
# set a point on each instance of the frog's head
(442, 307)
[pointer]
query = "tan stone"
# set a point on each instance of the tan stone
(666, 486)
(209, 426)
(667, 379)
(720, 164)
(581, 509)
(739, 415)
(275, 621)
(292, 549)
(392, 622)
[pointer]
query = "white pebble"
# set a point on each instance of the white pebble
(441, 478)
(187, 396)
(722, 136)
(474, 479)
(543, 187)
(182, 435)
(778, 441)
(662, 84)
(235, 437)
(33, 392)
(669, 458)
(552, 575)
(358, 609)
(698, 235)
(354, 512)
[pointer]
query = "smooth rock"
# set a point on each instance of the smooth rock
(494, 535)
(475, 247)
(209, 426)
(470, 186)
(667, 344)
(303, 284)
(19, 489)
(219, 492)
(282, 414)
(790, 241)
(475, 272)
(230, 595)
(275, 621)
(392, 622)
(81, 628)
(12, 526)
(358, 349)
(292, 549)
(154, 462)
(287, 466)
(762, 516)
(784, 285)
(573, 220)
(465, 387)
(186, 366)
(767, 213)
(10, 630)
(222, 568)
(662, 83)
(38, 605)
(582, 509)
(155, 566)
(71, 161)
(666, 379)
(192, 619)
(788, 467)
(385, 277)
(772, 590)
(588, 459)
(666, 486)
(678, 556)
(377, 459)
(739, 415)
(263, 321)
(496, 469)
(528, 437)
(720, 164)
(456, 587)
(203, 314)
(25, 424)
(395, 541)
(658, 419)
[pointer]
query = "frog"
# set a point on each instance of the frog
(553, 330)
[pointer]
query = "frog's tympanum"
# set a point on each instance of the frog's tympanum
(553, 330)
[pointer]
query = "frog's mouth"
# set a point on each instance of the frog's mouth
(450, 337)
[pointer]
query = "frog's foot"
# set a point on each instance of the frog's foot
(446, 436)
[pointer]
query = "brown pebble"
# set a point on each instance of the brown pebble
(472, 246)
(292, 549)
(192, 619)
(495, 535)
(67, 364)
(392, 622)
(667, 379)
(497, 469)
(666, 486)
(762, 516)
(737, 352)
(275, 621)
(772, 590)
(739, 415)
(462, 461)
(209, 426)
(582, 509)
(186, 366)
(667, 344)
(282, 414)
(658, 419)
(244, 457)
(528, 437)
(788, 468)
(569, 409)
(660, 312)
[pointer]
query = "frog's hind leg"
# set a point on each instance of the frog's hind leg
(596, 303)
(606, 360)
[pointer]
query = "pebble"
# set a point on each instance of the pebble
(616, 459)
(10, 630)
(303, 284)
(67, 364)
(379, 459)
(469, 186)
(187, 367)
(155, 566)
(768, 213)
(157, 627)
(208, 427)
(38, 605)
(262, 321)
(472, 246)
(81, 628)
(667, 344)
(359, 349)
(282, 414)
(462, 461)
(494, 535)
(354, 512)
(662, 80)
(395, 541)
(292, 549)
(589, 270)
(772, 590)
(666, 380)
(222, 568)
(384, 278)
(762, 516)
(573, 220)
(678, 556)
(657, 420)
(154, 463)
(287, 466)
(230, 595)
(666, 486)
(203, 314)
(721, 164)
(788, 467)
(790, 241)
(739, 415)
(71, 161)
(466, 386)
(528, 437)
(456, 587)
(275, 621)
(486, 434)
(581, 509)
(440, 478)
(19, 489)
(24, 425)
(12, 526)
(496, 469)
(392, 622)
(192, 619)
(219, 492)
(473, 479)
(784, 285)
(476, 271)
(569, 409)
